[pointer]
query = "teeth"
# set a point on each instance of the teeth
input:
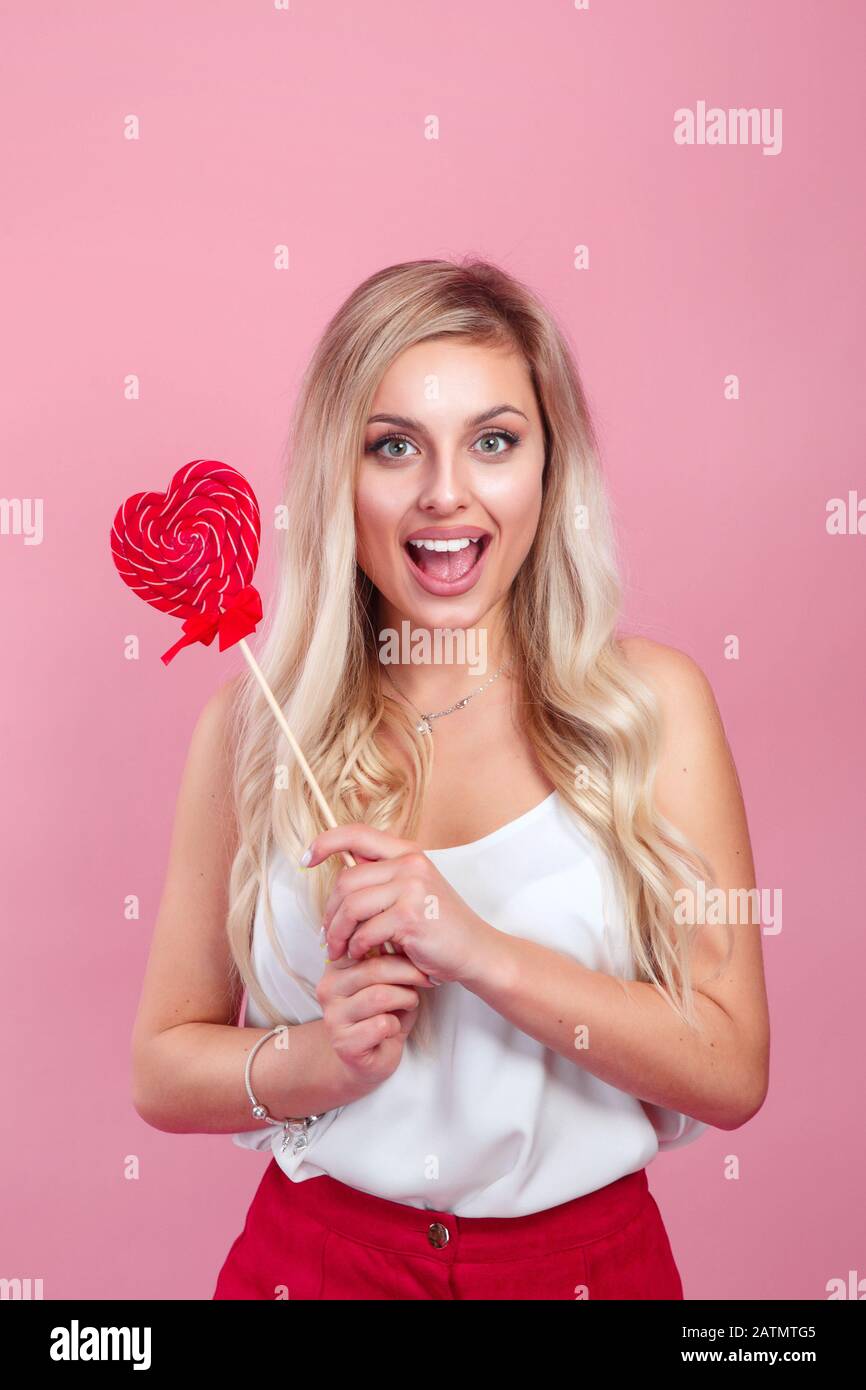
(460, 544)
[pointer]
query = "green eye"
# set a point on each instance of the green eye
(505, 437)
(386, 441)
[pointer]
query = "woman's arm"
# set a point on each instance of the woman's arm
(188, 1055)
(635, 1040)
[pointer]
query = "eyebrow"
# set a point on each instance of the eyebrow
(407, 423)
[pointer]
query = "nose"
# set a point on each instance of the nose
(445, 486)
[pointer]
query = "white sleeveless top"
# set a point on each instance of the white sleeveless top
(493, 1123)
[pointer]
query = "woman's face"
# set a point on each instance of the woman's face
(453, 452)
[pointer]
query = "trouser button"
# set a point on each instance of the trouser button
(437, 1234)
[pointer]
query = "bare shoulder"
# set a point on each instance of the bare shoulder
(697, 785)
(205, 827)
(681, 686)
(205, 812)
(214, 738)
(215, 726)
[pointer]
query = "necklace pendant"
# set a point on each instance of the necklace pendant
(424, 727)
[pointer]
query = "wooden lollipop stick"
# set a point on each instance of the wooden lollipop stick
(325, 809)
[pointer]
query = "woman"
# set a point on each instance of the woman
(505, 1002)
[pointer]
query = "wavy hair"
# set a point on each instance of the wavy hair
(593, 724)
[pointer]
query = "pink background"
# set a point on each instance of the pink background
(155, 257)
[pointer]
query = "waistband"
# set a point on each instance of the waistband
(404, 1229)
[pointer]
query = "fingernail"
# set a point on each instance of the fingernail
(305, 858)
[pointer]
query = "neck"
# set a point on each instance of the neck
(433, 667)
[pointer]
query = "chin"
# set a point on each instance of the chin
(442, 613)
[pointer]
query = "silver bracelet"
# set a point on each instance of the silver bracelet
(297, 1127)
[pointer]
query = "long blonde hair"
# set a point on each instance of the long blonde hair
(592, 723)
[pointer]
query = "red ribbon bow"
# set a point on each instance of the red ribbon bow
(237, 621)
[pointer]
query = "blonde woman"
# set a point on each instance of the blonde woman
(464, 1044)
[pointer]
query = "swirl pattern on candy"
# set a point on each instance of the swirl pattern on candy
(192, 551)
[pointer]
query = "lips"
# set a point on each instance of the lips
(446, 572)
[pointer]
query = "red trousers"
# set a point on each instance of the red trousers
(320, 1239)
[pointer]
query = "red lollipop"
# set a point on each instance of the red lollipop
(192, 551)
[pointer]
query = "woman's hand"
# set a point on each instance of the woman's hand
(369, 1009)
(397, 894)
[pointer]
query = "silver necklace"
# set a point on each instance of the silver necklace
(425, 723)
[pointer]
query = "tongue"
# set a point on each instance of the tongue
(446, 565)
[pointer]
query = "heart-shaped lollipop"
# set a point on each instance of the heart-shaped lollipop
(192, 551)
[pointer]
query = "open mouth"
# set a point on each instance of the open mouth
(448, 565)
